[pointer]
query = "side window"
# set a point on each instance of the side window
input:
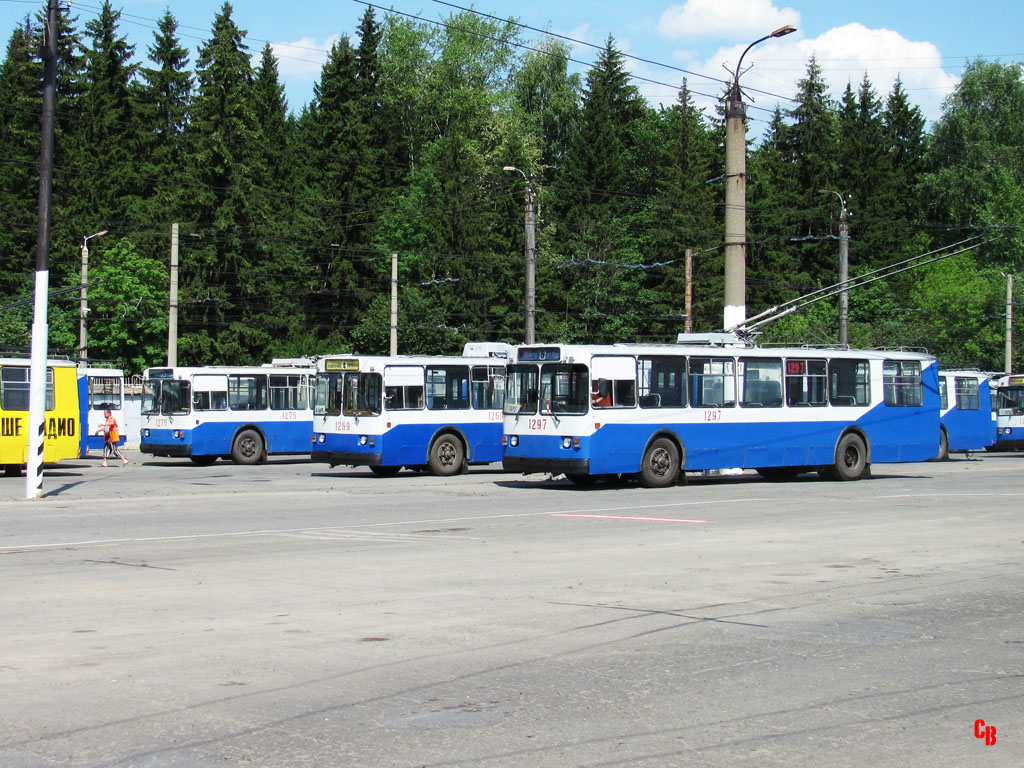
(902, 383)
(287, 392)
(662, 381)
(806, 383)
(403, 387)
(613, 382)
(712, 382)
(849, 382)
(247, 392)
(967, 395)
(210, 392)
(447, 387)
(15, 388)
(943, 394)
(488, 387)
(762, 383)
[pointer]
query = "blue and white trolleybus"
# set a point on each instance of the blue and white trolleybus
(425, 413)
(968, 422)
(245, 413)
(1008, 403)
(655, 411)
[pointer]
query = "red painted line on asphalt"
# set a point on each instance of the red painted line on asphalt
(633, 517)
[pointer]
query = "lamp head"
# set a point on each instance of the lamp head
(783, 31)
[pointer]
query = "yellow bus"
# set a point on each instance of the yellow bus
(63, 419)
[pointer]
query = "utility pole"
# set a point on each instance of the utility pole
(83, 303)
(172, 307)
(1009, 323)
(40, 324)
(393, 348)
(735, 310)
(844, 270)
(530, 287)
(688, 325)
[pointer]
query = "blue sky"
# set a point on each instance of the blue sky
(926, 44)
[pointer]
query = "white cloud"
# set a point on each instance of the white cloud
(844, 54)
(301, 59)
(733, 19)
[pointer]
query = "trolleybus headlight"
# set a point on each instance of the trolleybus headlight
(322, 438)
(514, 441)
(567, 442)
(362, 439)
(145, 433)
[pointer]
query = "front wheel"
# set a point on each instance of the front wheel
(247, 448)
(851, 458)
(943, 446)
(660, 466)
(446, 456)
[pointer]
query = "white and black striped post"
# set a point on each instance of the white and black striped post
(40, 326)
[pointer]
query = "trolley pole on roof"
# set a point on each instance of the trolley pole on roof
(40, 326)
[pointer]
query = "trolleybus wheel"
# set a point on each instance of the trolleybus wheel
(446, 456)
(943, 446)
(203, 461)
(247, 448)
(389, 471)
(660, 466)
(851, 458)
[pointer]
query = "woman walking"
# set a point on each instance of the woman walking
(111, 437)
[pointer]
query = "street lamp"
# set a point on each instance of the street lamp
(83, 308)
(844, 269)
(529, 291)
(735, 312)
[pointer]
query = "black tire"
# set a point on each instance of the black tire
(389, 471)
(779, 474)
(660, 466)
(203, 461)
(943, 454)
(247, 448)
(446, 456)
(851, 458)
(582, 480)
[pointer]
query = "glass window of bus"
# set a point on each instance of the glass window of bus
(806, 382)
(762, 382)
(15, 388)
(210, 392)
(287, 392)
(447, 387)
(849, 382)
(362, 395)
(564, 388)
(613, 381)
(403, 387)
(488, 387)
(522, 389)
(104, 393)
(943, 393)
(150, 397)
(1011, 398)
(902, 382)
(173, 397)
(968, 398)
(712, 382)
(329, 387)
(662, 381)
(247, 392)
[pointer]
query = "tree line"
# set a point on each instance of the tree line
(288, 219)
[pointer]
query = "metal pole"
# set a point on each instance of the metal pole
(393, 347)
(530, 289)
(83, 304)
(688, 326)
(1009, 323)
(172, 307)
(844, 278)
(40, 326)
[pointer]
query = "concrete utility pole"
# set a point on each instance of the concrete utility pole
(530, 287)
(83, 304)
(393, 348)
(172, 304)
(735, 311)
(40, 323)
(844, 269)
(688, 323)
(1009, 323)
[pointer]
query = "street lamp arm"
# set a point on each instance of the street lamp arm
(780, 32)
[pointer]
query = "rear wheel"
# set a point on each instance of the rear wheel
(446, 456)
(389, 471)
(660, 466)
(943, 446)
(851, 458)
(247, 448)
(203, 461)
